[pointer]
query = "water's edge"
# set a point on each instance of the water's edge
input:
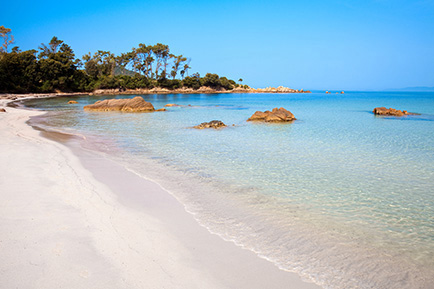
(317, 246)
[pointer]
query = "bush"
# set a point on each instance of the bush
(192, 82)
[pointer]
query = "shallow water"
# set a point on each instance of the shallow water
(340, 196)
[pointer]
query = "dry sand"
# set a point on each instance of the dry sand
(73, 219)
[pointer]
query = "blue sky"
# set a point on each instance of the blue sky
(342, 45)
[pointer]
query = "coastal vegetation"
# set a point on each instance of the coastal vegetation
(55, 68)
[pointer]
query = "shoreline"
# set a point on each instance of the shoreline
(126, 232)
(7, 97)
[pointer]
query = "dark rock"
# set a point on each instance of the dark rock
(212, 124)
(2, 110)
(390, 111)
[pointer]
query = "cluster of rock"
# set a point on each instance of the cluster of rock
(212, 124)
(8, 97)
(328, 92)
(280, 89)
(136, 104)
(390, 111)
(276, 115)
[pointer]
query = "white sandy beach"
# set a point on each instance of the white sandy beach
(70, 219)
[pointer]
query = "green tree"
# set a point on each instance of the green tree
(102, 63)
(211, 80)
(193, 81)
(19, 71)
(143, 60)
(8, 38)
(185, 68)
(123, 62)
(58, 66)
(161, 53)
(177, 64)
(50, 49)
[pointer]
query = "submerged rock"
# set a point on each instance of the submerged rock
(212, 124)
(171, 104)
(72, 102)
(390, 111)
(276, 115)
(161, 109)
(136, 104)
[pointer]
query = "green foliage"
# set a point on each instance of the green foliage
(226, 83)
(102, 63)
(169, 83)
(55, 68)
(211, 80)
(19, 71)
(216, 82)
(193, 81)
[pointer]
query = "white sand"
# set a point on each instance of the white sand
(73, 220)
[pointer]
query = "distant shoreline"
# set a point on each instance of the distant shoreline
(156, 90)
(203, 89)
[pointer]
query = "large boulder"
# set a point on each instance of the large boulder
(136, 104)
(276, 115)
(212, 124)
(390, 111)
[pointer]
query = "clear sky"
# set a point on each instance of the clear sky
(329, 44)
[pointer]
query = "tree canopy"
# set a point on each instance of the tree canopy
(55, 68)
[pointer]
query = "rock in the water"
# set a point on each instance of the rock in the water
(276, 115)
(136, 104)
(390, 111)
(171, 104)
(161, 109)
(72, 102)
(2, 110)
(212, 124)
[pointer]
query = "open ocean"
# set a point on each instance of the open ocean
(340, 196)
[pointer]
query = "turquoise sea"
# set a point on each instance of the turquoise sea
(340, 196)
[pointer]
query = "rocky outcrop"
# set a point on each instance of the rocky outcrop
(8, 97)
(276, 115)
(212, 124)
(136, 104)
(390, 112)
(72, 102)
(279, 89)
